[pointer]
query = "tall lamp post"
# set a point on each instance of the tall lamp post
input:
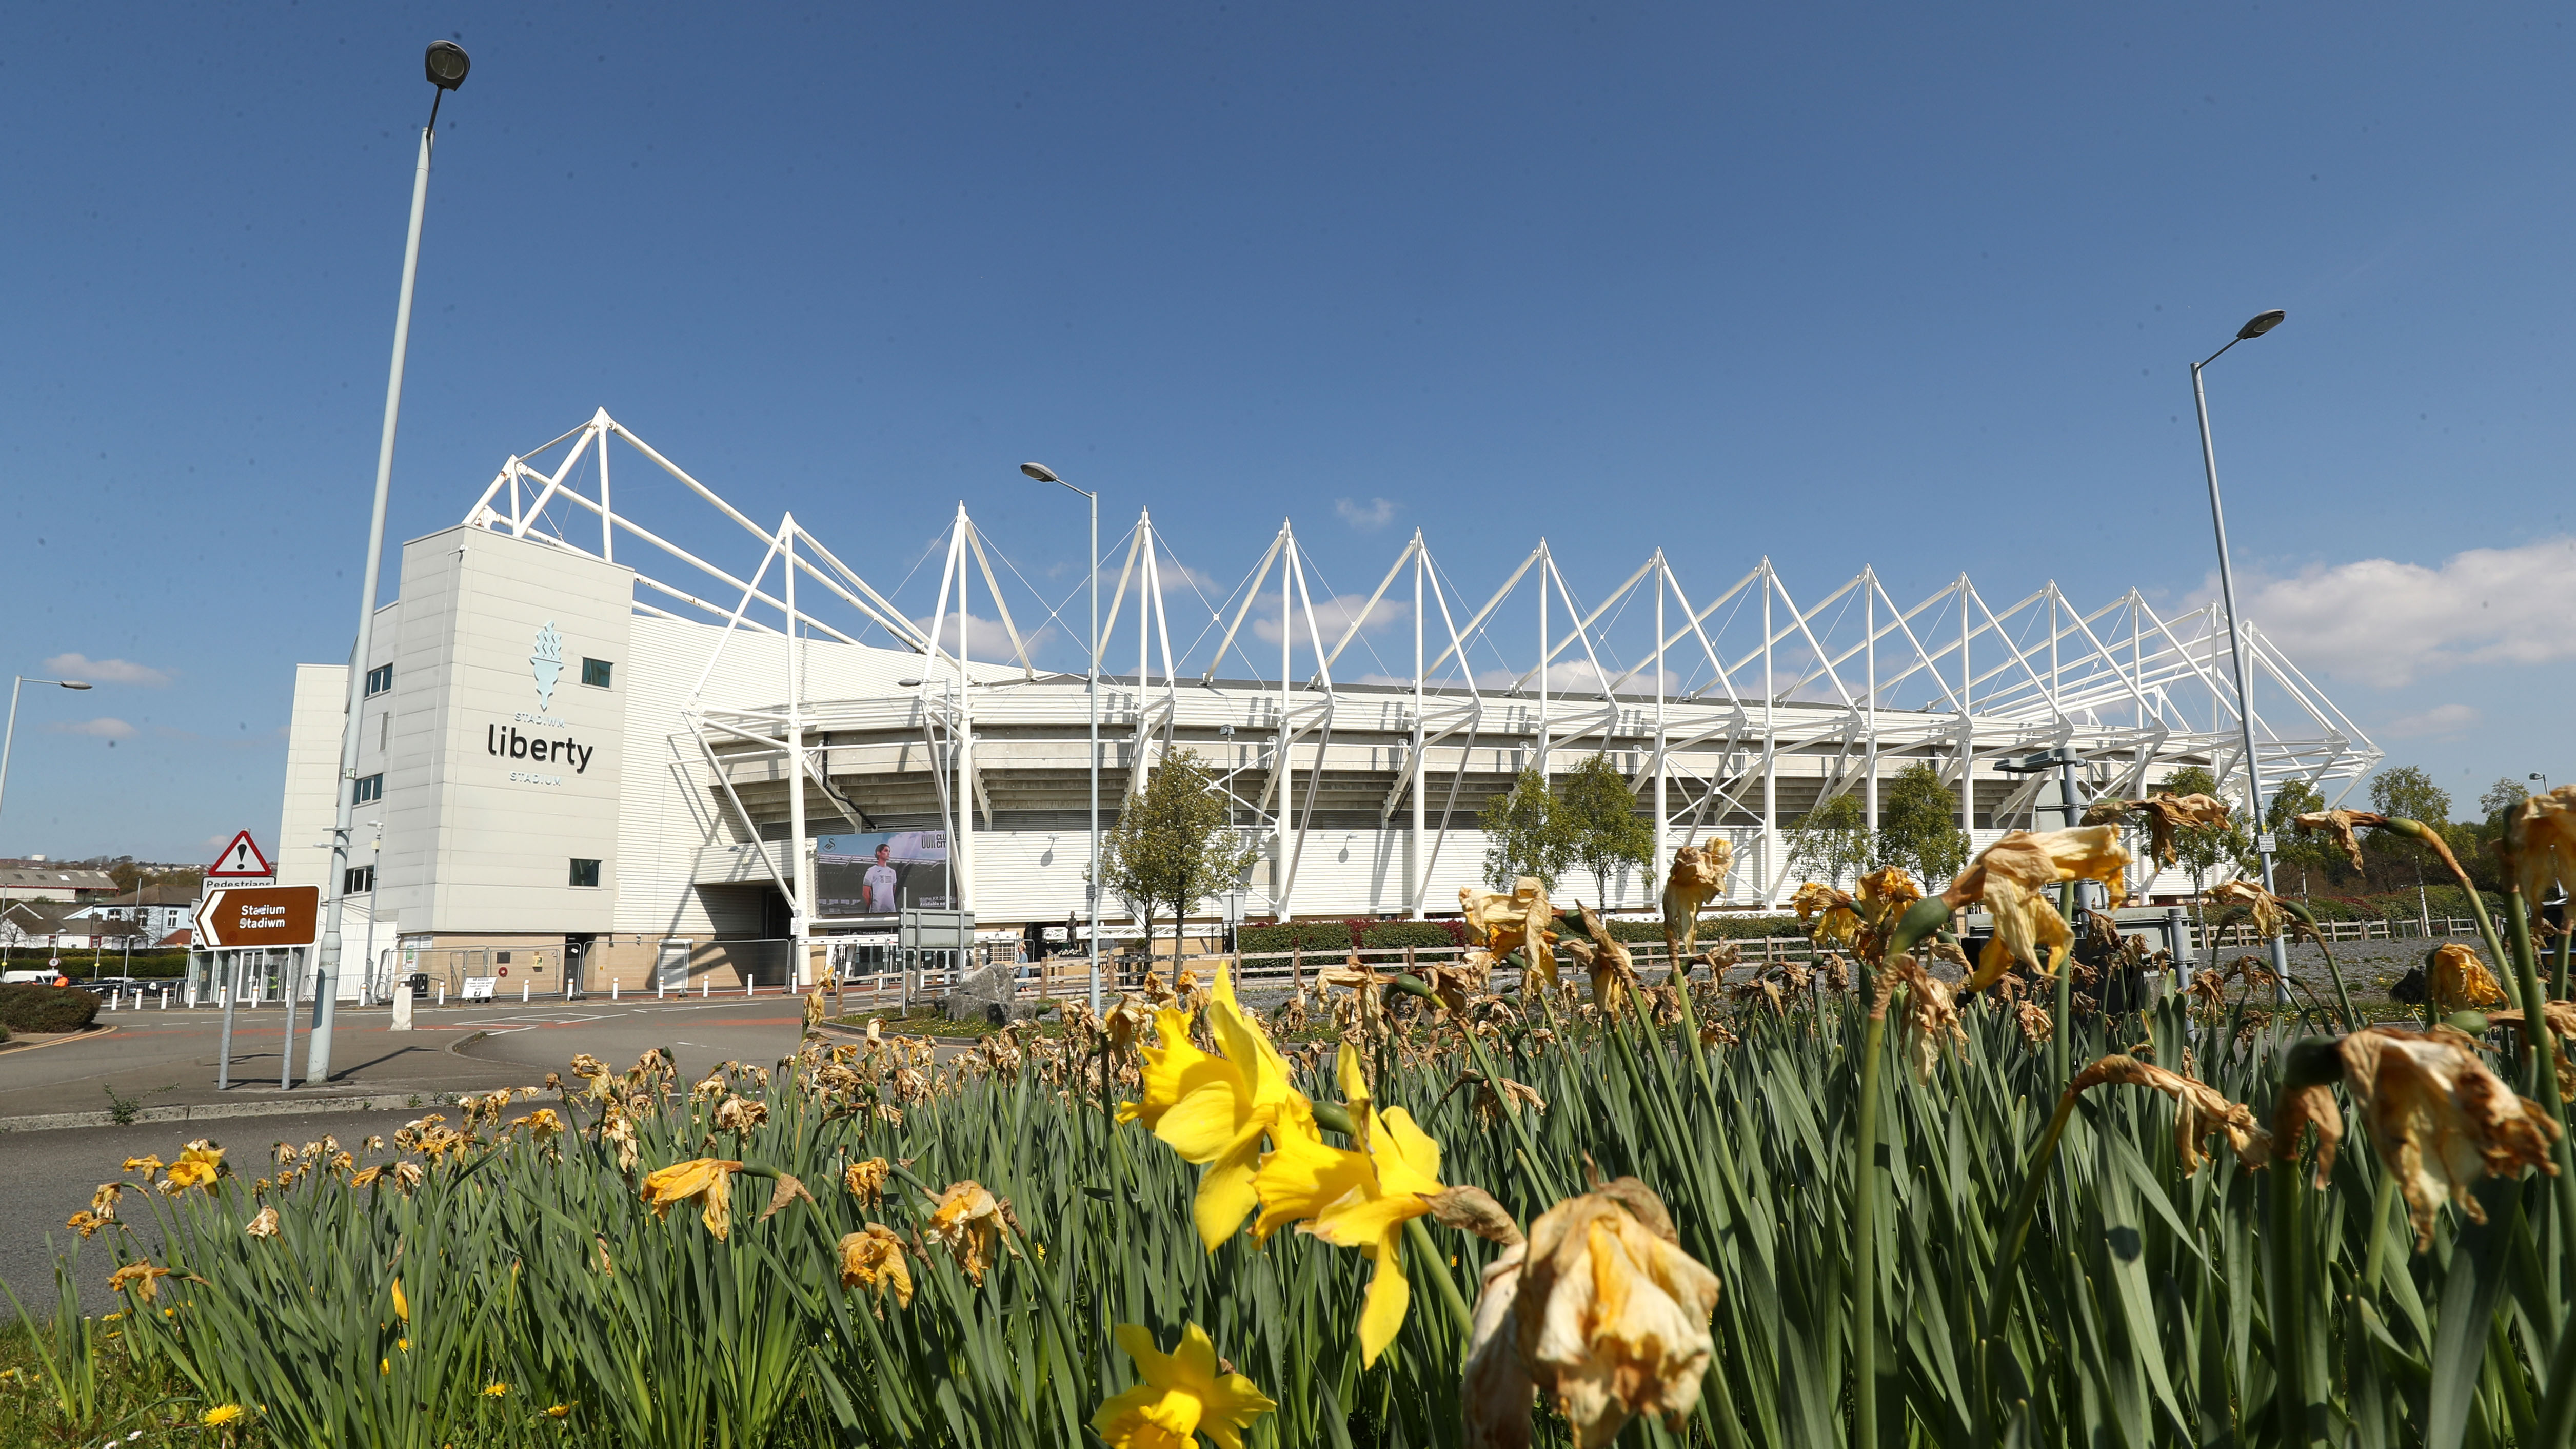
(11, 738)
(446, 64)
(2261, 323)
(1091, 891)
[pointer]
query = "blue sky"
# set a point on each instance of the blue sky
(1836, 285)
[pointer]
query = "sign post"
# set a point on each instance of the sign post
(232, 918)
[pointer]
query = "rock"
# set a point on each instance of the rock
(988, 993)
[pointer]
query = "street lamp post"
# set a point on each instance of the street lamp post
(11, 736)
(2261, 323)
(1091, 886)
(446, 65)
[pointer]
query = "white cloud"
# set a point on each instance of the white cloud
(2386, 623)
(986, 640)
(2440, 720)
(97, 729)
(1367, 517)
(1577, 676)
(106, 671)
(1333, 617)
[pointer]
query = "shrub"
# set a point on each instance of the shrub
(46, 1008)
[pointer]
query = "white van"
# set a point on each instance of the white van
(43, 976)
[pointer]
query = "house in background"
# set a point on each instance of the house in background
(36, 879)
(158, 909)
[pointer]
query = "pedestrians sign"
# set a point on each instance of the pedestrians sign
(232, 916)
(241, 860)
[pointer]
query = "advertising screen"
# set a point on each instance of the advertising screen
(878, 875)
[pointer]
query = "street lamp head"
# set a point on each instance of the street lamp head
(71, 684)
(2263, 322)
(447, 64)
(1040, 472)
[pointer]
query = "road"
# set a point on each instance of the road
(49, 1175)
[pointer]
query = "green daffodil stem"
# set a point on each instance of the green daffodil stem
(2343, 997)
(1461, 1316)
(1864, 1250)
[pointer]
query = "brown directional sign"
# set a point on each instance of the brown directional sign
(258, 916)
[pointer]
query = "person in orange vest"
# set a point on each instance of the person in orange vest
(62, 978)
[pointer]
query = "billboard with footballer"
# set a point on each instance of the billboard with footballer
(878, 875)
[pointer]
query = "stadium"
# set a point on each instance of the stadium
(593, 755)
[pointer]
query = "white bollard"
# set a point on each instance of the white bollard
(442, 993)
(523, 992)
(746, 988)
(706, 987)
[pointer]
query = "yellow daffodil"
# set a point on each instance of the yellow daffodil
(557, 1411)
(709, 1179)
(384, 1366)
(145, 1165)
(2010, 878)
(1698, 876)
(198, 1166)
(1214, 1110)
(1184, 1392)
(866, 1180)
(495, 1391)
(402, 1305)
(1355, 1198)
(220, 1415)
(872, 1258)
(87, 1222)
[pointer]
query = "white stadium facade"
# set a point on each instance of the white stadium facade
(591, 749)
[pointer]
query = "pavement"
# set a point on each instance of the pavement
(164, 1061)
(58, 1143)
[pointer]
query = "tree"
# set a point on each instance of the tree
(2408, 791)
(2503, 795)
(1524, 834)
(1832, 840)
(1602, 828)
(2200, 848)
(2293, 848)
(1918, 826)
(1171, 847)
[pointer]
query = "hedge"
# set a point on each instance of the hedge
(1333, 938)
(46, 1008)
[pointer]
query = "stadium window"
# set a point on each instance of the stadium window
(366, 789)
(379, 679)
(594, 672)
(585, 872)
(357, 880)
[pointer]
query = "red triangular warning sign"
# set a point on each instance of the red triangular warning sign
(240, 860)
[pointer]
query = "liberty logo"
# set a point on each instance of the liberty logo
(547, 663)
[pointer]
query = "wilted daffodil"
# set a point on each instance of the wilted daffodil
(2199, 1109)
(707, 1178)
(1214, 1110)
(1930, 1019)
(2540, 843)
(143, 1278)
(1518, 921)
(1600, 1310)
(264, 1225)
(1185, 1391)
(2166, 814)
(866, 1180)
(2440, 1118)
(2341, 825)
(872, 1258)
(2010, 879)
(2458, 980)
(1355, 1198)
(2262, 904)
(1830, 916)
(967, 1220)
